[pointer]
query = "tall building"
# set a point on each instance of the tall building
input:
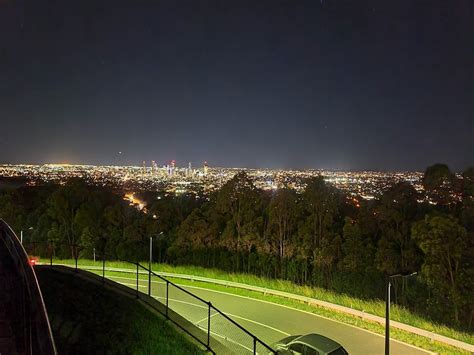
(190, 170)
(172, 167)
(205, 168)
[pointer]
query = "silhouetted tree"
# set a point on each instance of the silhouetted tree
(443, 241)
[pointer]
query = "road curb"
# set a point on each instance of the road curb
(311, 301)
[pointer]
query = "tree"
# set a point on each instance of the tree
(396, 211)
(282, 224)
(63, 205)
(439, 184)
(443, 241)
(357, 248)
(240, 204)
(320, 202)
(396, 250)
(196, 236)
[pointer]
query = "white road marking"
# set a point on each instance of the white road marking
(291, 308)
(202, 320)
(228, 314)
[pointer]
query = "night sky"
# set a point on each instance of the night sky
(384, 85)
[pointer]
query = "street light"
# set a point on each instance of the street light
(150, 261)
(21, 234)
(387, 309)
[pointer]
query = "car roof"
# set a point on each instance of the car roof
(319, 342)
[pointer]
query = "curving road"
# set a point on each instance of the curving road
(268, 321)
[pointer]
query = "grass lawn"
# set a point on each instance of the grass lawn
(376, 307)
(87, 318)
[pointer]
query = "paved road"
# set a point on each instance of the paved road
(269, 321)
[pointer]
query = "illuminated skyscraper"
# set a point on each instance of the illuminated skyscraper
(154, 168)
(190, 170)
(172, 168)
(205, 168)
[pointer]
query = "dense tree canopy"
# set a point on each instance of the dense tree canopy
(318, 237)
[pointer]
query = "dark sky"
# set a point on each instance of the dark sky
(384, 85)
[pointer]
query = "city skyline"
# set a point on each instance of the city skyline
(322, 84)
(176, 180)
(200, 165)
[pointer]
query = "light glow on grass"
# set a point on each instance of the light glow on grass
(376, 307)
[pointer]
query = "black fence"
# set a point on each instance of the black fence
(199, 318)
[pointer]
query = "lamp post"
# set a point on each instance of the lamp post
(21, 235)
(150, 261)
(387, 309)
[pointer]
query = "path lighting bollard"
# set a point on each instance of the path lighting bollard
(387, 309)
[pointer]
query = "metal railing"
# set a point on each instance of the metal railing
(199, 318)
(36, 336)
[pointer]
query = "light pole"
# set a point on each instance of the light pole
(387, 310)
(21, 234)
(150, 261)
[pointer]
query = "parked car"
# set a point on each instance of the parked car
(309, 344)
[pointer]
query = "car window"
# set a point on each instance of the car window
(339, 351)
(297, 348)
(310, 351)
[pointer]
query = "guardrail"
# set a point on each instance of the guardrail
(343, 309)
(209, 323)
(316, 302)
(206, 316)
(36, 337)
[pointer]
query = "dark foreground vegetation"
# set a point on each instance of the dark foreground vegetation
(87, 318)
(318, 237)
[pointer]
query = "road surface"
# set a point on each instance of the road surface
(268, 321)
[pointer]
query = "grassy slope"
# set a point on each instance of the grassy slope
(370, 306)
(87, 318)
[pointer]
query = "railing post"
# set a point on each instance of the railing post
(254, 345)
(209, 326)
(50, 254)
(387, 320)
(149, 282)
(75, 256)
(137, 281)
(103, 268)
(167, 292)
(149, 266)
